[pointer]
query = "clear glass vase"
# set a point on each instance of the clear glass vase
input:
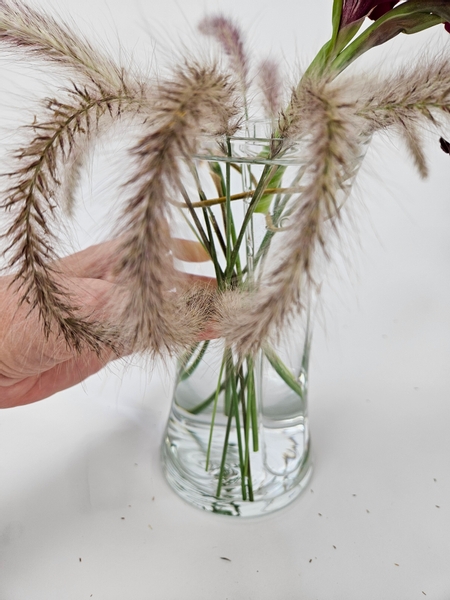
(237, 440)
(244, 458)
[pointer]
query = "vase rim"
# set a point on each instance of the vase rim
(248, 145)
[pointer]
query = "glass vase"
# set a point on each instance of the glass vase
(237, 440)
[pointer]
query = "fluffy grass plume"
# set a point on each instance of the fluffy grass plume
(43, 38)
(414, 98)
(331, 153)
(229, 36)
(34, 189)
(43, 166)
(198, 99)
(271, 85)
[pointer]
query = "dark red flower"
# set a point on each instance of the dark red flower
(381, 9)
(353, 10)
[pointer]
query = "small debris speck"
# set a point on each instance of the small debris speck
(310, 560)
(367, 510)
(416, 388)
(396, 564)
(129, 506)
(312, 491)
(135, 464)
(122, 518)
(153, 498)
(437, 506)
(334, 546)
(354, 495)
(423, 593)
(79, 559)
(225, 558)
(150, 527)
(434, 479)
(320, 514)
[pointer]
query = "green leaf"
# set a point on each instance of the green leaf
(321, 60)
(347, 33)
(411, 17)
(266, 199)
(336, 18)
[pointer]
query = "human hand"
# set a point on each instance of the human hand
(33, 367)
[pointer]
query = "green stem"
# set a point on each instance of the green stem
(217, 231)
(224, 455)
(228, 392)
(207, 241)
(186, 357)
(201, 407)
(266, 174)
(283, 371)
(251, 403)
(250, 483)
(278, 212)
(196, 220)
(246, 420)
(233, 239)
(228, 213)
(235, 403)
(213, 416)
(188, 372)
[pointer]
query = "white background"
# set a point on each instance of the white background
(73, 466)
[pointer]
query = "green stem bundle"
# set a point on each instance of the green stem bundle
(236, 392)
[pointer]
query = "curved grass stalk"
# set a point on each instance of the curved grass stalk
(282, 370)
(270, 191)
(213, 416)
(204, 405)
(35, 184)
(188, 372)
(265, 176)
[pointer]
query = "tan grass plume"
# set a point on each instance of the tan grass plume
(198, 99)
(332, 146)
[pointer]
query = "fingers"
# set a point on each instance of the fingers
(60, 377)
(25, 350)
(95, 262)
(198, 280)
(99, 261)
(189, 250)
(33, 367)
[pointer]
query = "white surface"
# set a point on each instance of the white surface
(84, 510)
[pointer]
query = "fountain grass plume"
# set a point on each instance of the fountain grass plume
(229, 36)
(198, 99)
(35, 184)
(414, 98)
(331, 152)
(43, 38)
(271, 85)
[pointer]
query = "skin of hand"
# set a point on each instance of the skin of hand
(32, 367)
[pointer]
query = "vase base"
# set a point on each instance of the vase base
(274, 484)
